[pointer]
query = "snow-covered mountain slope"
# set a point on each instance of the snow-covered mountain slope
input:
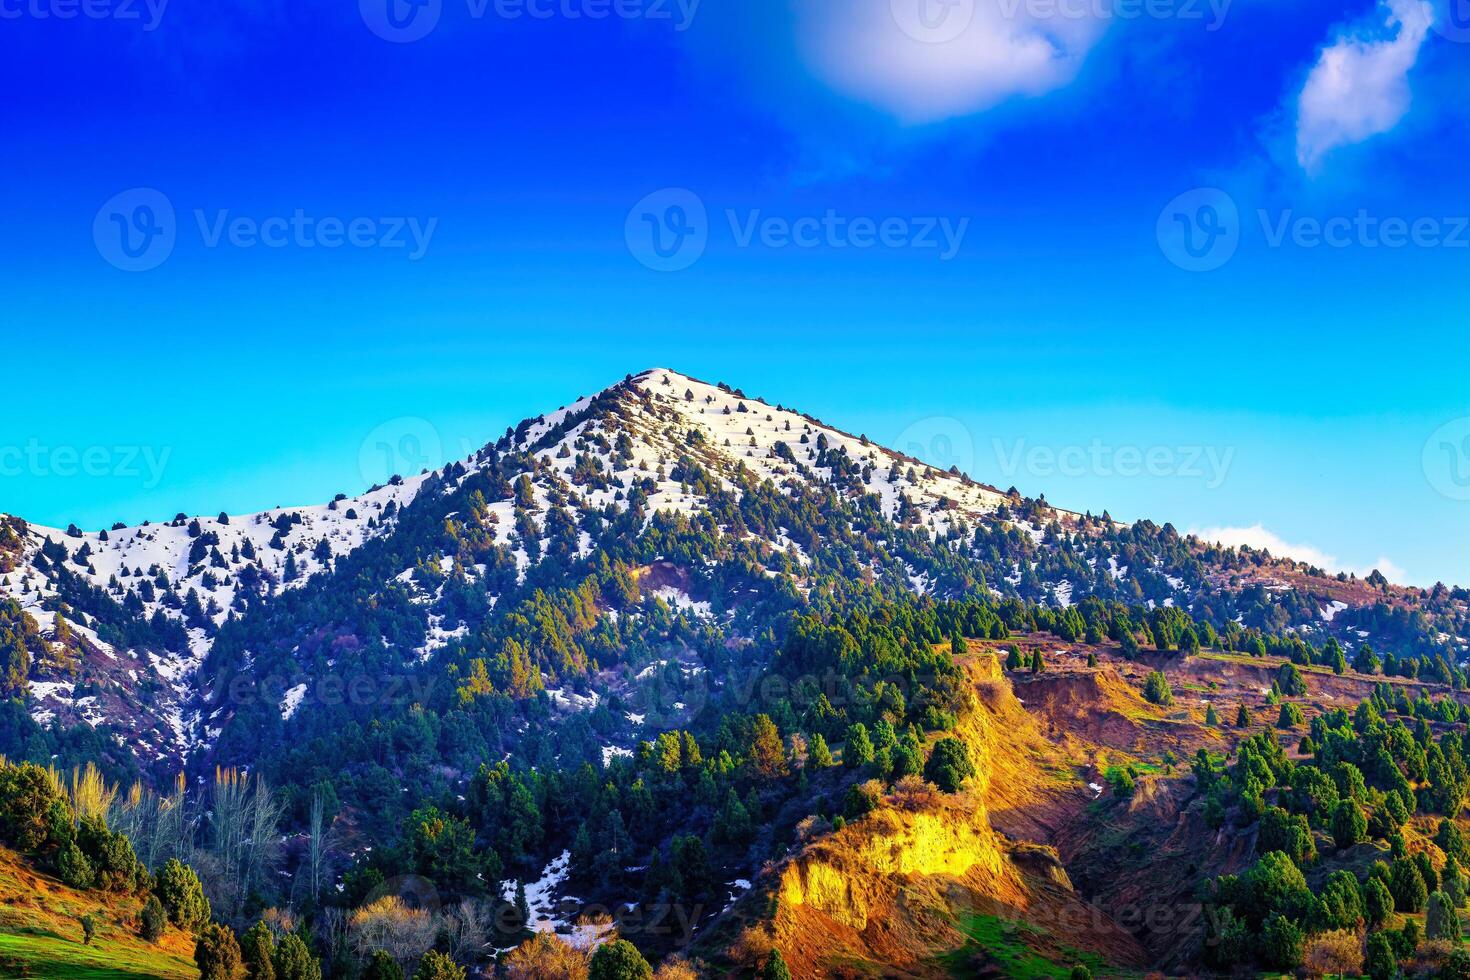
(188, 571)
(137, 611)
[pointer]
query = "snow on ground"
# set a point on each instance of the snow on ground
(1329, 613)
(542, 898)
(292, 701)
(680, 600)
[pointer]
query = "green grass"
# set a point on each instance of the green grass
(1001, 940)
(43, 954)
(41, 935)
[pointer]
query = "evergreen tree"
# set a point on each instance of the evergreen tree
(818, 755)
(437, 966)
(1243, 717)
(216, 953)
(1407, 886)
(1349, 825)
(1441, 921)
(776, 968)
(1379, 963)
(858, 750)
(1377, 901)
(949, 765)
(1211, 719)
(293, 960)
(1156, 689)
(618, 960)
(258, 950)
(1290, 716)
(1282, 942)
(182, 896)
(154, 920)
(382, 966)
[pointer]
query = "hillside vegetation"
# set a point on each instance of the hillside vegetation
(41, 934)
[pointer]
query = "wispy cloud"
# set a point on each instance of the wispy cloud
(1359, 87)
(1259, 537)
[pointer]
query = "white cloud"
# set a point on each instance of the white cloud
(1258, 537)
(927, 60)
(1359, 87)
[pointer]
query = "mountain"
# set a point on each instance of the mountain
(143, 606)
(615, 650)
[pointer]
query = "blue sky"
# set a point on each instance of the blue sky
(1199, 264)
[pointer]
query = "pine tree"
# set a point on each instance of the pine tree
(1156, 689)
(818, 755)
(858, 750)
(1211, 719)
(776, 968)
(1243, 717)
(216, 953)
(258, 950)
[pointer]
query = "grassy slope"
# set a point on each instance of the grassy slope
(40, 935)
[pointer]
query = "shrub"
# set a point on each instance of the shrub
(776, 968)
(543, 957)
(154, 919)
(1456, 966)
(1333, 952)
